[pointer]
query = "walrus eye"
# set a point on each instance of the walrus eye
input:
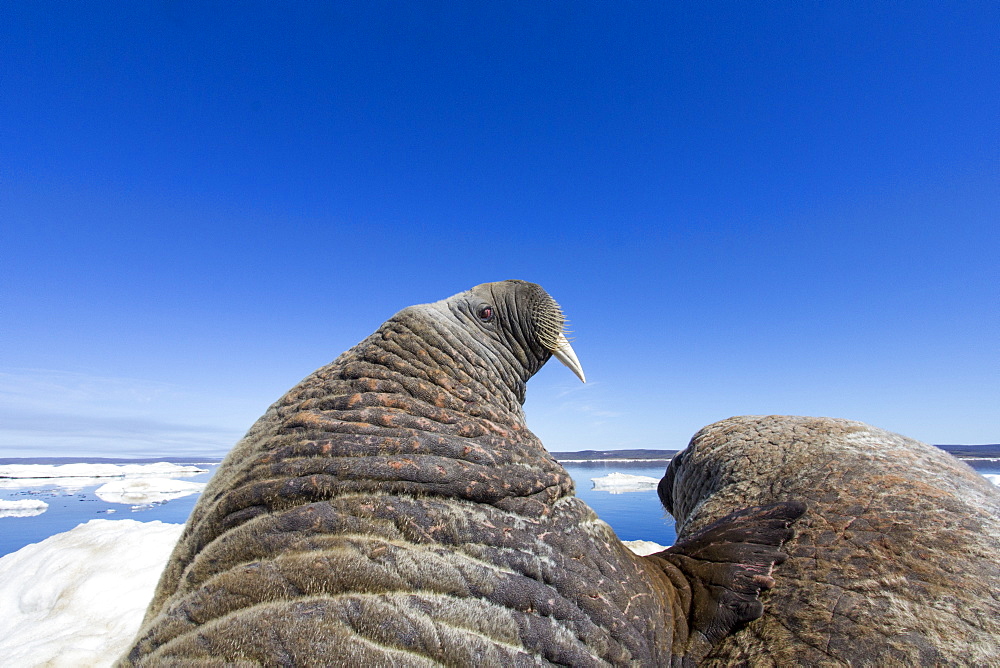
(485, 313)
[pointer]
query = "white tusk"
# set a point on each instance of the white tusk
(565, 354)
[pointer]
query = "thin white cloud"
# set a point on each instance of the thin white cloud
(44, 412)
(47, 387)
(591, 410)
(573, 389)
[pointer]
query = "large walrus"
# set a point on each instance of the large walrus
(895, 563)
(394, 509)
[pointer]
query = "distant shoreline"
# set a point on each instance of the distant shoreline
(610, 459)
(633, 455)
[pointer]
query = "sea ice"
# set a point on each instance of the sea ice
(25, 508)
(146, 490)
(77, 598)
(77, 476)
(96, 470)
(616, 483)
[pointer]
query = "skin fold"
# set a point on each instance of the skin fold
(394, 509)
(895, 562)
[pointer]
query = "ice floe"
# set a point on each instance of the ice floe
(77, 598)
(643, 547)
(147, 490)
(616, 483)
(25, 508)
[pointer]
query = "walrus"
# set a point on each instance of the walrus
(394, 509)
(895, 563)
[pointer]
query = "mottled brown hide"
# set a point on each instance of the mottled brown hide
(895, 562)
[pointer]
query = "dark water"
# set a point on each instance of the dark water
(633, 515)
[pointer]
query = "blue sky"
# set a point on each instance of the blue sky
(770, 208)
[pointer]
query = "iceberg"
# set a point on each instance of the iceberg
(993, 477)
(77, 598)
(616, 483)
(147, 490)
(25, 508)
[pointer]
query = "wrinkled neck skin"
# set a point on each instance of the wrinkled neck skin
(495, 371)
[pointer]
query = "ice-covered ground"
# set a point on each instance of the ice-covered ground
(147, 490)
(616, 483)
(26, 508)
(77, 598)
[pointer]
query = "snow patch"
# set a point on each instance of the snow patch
(77, 598)
(616, 483)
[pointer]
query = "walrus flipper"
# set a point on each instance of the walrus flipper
(719, 572)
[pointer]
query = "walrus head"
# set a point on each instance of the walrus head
(522, 318)
(504, 331)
